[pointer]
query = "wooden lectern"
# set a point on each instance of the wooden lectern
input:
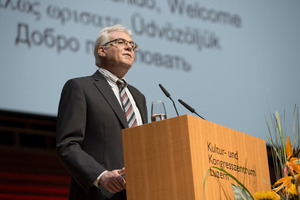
(169, 160)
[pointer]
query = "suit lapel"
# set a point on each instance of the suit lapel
(105, 89)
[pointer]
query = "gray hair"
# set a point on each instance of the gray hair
(103, 38)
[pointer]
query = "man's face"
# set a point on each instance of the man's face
(118, 58)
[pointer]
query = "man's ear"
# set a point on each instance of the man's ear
(101, 51)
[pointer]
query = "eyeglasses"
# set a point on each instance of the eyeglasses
(123, 42)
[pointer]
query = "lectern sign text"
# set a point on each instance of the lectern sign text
(217, 156)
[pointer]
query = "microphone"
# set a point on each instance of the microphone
(169, 96)
(189, 108)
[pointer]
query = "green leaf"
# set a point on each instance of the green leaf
(231, 176)
(240, 193)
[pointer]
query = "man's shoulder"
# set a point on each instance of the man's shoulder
(79, 82)
(83, 79)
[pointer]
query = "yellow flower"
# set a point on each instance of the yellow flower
(292, 190)
(266, 196)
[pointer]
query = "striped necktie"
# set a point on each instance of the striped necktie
(127, 107)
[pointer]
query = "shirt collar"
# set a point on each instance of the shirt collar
(108, 75)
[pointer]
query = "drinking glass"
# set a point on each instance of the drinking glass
(158, 111)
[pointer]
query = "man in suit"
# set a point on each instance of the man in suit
(91, 116)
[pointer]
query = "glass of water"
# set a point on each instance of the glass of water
(158, 111)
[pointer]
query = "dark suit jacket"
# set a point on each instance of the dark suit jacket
(89, 140)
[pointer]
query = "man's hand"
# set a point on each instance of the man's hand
(113, 180)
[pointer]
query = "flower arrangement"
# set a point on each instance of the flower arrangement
(286, 161)
(286, 187)
(286, 164)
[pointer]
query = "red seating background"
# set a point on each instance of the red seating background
(29, 167)
(30, 175)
